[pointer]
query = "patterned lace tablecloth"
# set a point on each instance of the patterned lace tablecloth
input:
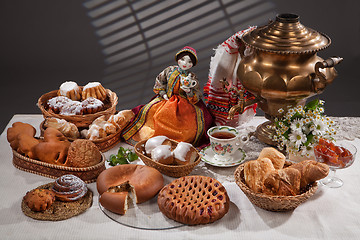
(329, 214)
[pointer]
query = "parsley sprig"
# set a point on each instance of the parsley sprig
(124, 156)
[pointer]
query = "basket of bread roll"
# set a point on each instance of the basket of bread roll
(274, 184)
(53, 155)
(80, 105)
(104, 131)
(172, 158)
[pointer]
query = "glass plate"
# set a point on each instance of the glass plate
(143, 216)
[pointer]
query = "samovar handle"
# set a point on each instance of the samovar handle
(321, 82)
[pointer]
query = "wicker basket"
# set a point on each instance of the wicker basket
(79, 120)
(272, 203)
(87, 174)
(169, 170)
(103, 144)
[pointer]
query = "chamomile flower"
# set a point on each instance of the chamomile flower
(298, 138)
(301, 127)
(297, 125)
(319, 127)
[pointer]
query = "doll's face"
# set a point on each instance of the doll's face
(185, 62)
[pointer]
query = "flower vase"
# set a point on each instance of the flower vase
(298, 157)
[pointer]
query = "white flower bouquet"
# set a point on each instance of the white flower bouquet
(300, 128)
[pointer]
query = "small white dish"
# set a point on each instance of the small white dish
(207, 156)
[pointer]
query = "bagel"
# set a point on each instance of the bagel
(115, 183)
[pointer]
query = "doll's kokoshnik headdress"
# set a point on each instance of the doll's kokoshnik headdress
(190, 50)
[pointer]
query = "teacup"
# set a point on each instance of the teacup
(225, 141)
(188, 82)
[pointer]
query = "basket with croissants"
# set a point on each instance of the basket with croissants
(272, 183)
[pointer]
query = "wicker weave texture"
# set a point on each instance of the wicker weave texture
(169, 170)
(272, 203)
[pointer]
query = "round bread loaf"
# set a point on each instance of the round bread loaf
(68, 188)
(92, 105)
(83, 153)
(145, 182)
(194, 200)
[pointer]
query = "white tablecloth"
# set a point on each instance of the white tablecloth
(329, 214)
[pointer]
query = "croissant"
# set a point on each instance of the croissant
(310, 171)
(67, 128)
(282, 182)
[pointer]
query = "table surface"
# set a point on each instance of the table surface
(329, 214)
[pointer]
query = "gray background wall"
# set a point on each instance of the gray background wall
(44, 43)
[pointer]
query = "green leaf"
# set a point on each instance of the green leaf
(312, 105)
(309, 139)
(121, 151)
(124, 156)
(132, 157)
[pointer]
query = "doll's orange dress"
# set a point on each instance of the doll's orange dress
(180, 118)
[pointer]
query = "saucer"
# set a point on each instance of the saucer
(207, 156)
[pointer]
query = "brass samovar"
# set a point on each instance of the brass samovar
(281, 68)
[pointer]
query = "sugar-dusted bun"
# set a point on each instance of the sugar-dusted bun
(38, 200)
(57, 103)
(72, 108)
(71, 90)
(184, 153)
(194, 200)
(162, 154)
(276, 157)
(69, 188)
(95, 90)
(99, 128)
(145, 182)
(92, 105)
(153, 142)
(83, 153)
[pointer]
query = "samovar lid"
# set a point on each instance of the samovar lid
(286, 35)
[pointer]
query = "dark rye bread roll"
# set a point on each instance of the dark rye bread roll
(114, 183)
(194, 200)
